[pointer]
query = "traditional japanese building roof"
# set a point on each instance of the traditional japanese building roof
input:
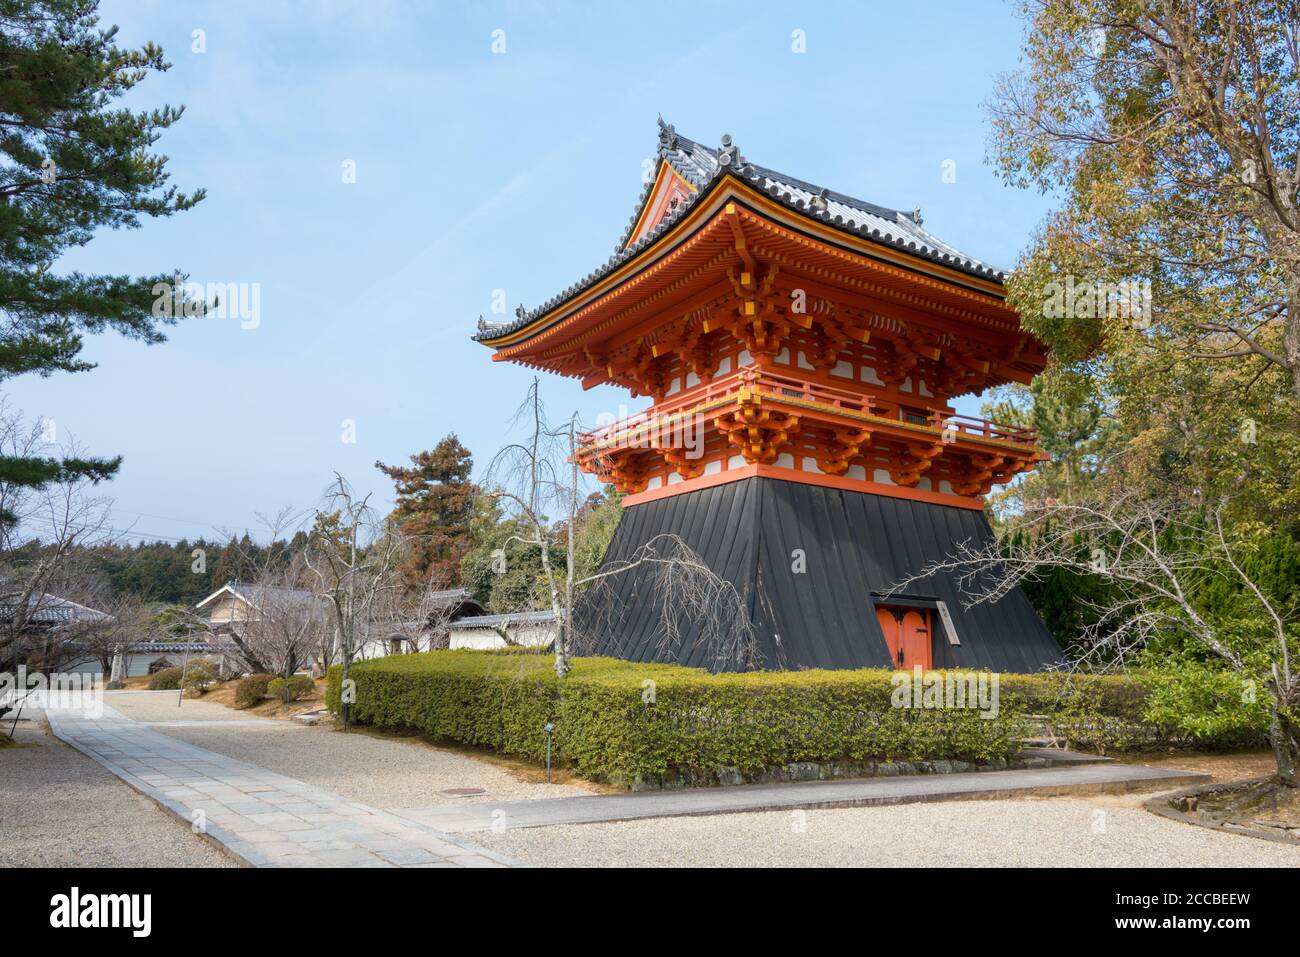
(855, 545)
(505, 621)
(253, 594)
(703, 168)
(47, 609)
(699, 165)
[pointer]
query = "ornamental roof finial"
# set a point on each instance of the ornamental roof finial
(667, 135)
(729, 155)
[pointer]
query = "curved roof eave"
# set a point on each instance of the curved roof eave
(705, 169)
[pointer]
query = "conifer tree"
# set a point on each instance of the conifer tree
(73, 162)
(435, 503)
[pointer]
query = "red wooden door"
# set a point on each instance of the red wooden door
(889, 624)
(915, 638)
(907, 635)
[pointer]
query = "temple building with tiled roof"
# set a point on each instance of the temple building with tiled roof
(801, 350)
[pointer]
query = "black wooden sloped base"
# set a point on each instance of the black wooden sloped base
(806, 560)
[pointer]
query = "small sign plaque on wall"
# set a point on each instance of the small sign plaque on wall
(948, 626)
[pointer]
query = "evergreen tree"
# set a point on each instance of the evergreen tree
(73, 163)
(435, 505)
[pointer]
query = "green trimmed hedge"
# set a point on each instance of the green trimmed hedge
(640, 724)
(634, 724)
(1115, 713)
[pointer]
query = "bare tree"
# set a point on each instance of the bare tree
(687, 591)
(275, 631)
(529, 478)
(54, 521)
(289, 623)
(19, 439)
(1156, 555)
(128, 620)
(353, 562)
(417, 616)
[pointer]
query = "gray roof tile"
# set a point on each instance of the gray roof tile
(700, 165)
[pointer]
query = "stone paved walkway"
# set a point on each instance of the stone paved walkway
(264, 818)
(859, 792)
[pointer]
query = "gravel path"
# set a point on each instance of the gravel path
(62, 793)
(60, 809)
(1056, 832)
(382, 773)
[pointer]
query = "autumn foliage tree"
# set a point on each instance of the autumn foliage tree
(1167, 286)
(1171, 129)
(434, 510)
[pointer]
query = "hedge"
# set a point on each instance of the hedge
(633, 724)
(637, 723)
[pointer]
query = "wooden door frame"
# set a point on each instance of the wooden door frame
(898, 612)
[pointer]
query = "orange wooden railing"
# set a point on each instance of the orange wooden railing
(779, 386)
(969, 425)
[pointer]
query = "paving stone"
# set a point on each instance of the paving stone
(410, 855)
(261, 816)
(861, 792)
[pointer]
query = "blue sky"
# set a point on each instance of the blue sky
(475, 171)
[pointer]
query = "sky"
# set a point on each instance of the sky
(476, 170)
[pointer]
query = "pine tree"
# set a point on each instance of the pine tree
(72, 163)
(435, 500)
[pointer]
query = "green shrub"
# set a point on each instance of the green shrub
(1207, 702)
(627, 722)
(630, 723)
(198, 675)
(251, 689)
(169, 679)
(291, 688)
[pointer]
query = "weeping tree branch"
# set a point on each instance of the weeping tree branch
(529, 479)
(1156, 556)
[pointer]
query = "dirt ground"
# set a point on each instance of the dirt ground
(1228, 766)
(224, 693)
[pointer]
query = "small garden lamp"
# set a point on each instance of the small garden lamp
(550, 727)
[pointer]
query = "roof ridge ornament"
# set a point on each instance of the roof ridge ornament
(729, 155)
(667, 135)
(701, 166)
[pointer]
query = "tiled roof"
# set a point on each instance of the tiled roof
(493, 621)
(51, 609)
(179, 647)
(700, 165)
(252, 593)
(255, 593)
